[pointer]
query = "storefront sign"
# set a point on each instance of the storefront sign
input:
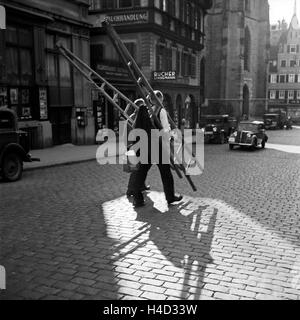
(2, 18)
(130, 17)
(112, 72)
(294, 101)
(164, 75)
(43, 103)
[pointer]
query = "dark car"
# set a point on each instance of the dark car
(217, 128)
(249, 134)
(14, 146)
(275, 120)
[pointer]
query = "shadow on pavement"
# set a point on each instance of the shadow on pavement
(185, 241)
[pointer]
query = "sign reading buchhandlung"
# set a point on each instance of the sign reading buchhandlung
(164, 75)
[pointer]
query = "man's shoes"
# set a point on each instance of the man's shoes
(175, 199)
(138, 203)
(130, 193)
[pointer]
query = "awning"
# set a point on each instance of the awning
(30, 12)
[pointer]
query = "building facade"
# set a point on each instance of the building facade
(237, 58)
(166, 38)
(284, 68)
(38, 83)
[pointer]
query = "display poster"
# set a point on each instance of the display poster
(43, 103)
(3, 97)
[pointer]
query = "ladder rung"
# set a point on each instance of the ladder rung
(127, 108)
(139, 81)
(103, 85)
(115, 98)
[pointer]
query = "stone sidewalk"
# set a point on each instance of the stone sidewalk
(63, 155)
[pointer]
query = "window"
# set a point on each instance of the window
(281, 94)
(131, 47)
(298, 94)
(282, 78)
(292, 48)
(168, 59)
(272, 94)
(283, 63)
(58, 68)
(247, 50)
(178, 62)
(291, 95)
(293, 63)
(159, 57)
(126, 3)
(19, 66)
(247, 5)
(291, 78)
(97, 55)
(273, 78)
(193, 66)
(58, 71)
(298, 78)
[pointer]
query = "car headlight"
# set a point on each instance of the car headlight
(215, 129)
(249, 135)
(235, 134)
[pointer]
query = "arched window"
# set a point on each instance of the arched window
(247, 50)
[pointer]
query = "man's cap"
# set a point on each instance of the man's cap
(158, 94)
(139, 102)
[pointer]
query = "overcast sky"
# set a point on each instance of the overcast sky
(280, 9)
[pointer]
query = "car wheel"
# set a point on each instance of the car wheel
(12, 167)
(254, 144)
(231, 146)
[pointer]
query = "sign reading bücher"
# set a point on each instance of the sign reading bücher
(164, 75)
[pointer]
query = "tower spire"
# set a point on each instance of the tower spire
(295, 8)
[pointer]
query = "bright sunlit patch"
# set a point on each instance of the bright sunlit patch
(198, 238)
(284, 148)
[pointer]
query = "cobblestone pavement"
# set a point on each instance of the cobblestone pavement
(69, 233)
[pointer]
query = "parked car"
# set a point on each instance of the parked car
(14, 146)
(249, 134)
(275, 120)
(217, 128)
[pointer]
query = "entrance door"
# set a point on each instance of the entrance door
(60, 119)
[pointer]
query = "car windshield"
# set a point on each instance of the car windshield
(214, 121)
(271, 116)
(247, 127)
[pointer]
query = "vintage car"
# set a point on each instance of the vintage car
(275, 120)
(217, 128)
(249, 134)
(14, 146)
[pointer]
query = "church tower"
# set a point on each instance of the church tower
(236, 58)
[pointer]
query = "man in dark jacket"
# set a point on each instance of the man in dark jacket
(143, 121)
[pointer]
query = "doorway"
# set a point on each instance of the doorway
(60, 119)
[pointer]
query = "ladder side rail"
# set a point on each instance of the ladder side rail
(107, 96)
(122, 50)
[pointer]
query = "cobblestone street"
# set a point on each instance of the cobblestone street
(68, 232)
